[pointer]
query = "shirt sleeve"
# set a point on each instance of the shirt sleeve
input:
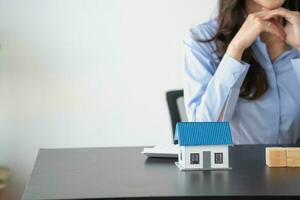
(210, 89)
(296, 66)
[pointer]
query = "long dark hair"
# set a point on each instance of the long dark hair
(230, 18)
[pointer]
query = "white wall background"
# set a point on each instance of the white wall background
(87, 73)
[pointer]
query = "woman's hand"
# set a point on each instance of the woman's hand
(253, 26)
(292, 29)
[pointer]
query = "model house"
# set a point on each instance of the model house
(203, 145)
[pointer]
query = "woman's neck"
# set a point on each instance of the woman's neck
(252, 7)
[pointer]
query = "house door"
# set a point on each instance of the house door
(206, 160)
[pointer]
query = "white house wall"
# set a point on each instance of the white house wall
(183, 161)
(213, 150)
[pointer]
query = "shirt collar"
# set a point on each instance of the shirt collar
(263, 49)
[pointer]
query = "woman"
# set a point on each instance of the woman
(244, 67)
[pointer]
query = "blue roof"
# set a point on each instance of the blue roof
(203, 133)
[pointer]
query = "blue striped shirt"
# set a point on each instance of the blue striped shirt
(213, 85)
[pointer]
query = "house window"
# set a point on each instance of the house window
(218, 158)
(194, 158)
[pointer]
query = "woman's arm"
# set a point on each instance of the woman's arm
(210, 95)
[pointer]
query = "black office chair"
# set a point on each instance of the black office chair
(176, 109)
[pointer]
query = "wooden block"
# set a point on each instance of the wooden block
(276, 157)
(293, 157)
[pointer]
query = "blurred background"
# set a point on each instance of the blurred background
(88, 73)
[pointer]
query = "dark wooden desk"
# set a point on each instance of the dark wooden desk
(113, 173)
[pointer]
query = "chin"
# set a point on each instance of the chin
(270, 4)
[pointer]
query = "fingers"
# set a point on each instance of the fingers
(261, 14)
(272, 28)
(279, 26)
(269, 25)
(290, 16)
